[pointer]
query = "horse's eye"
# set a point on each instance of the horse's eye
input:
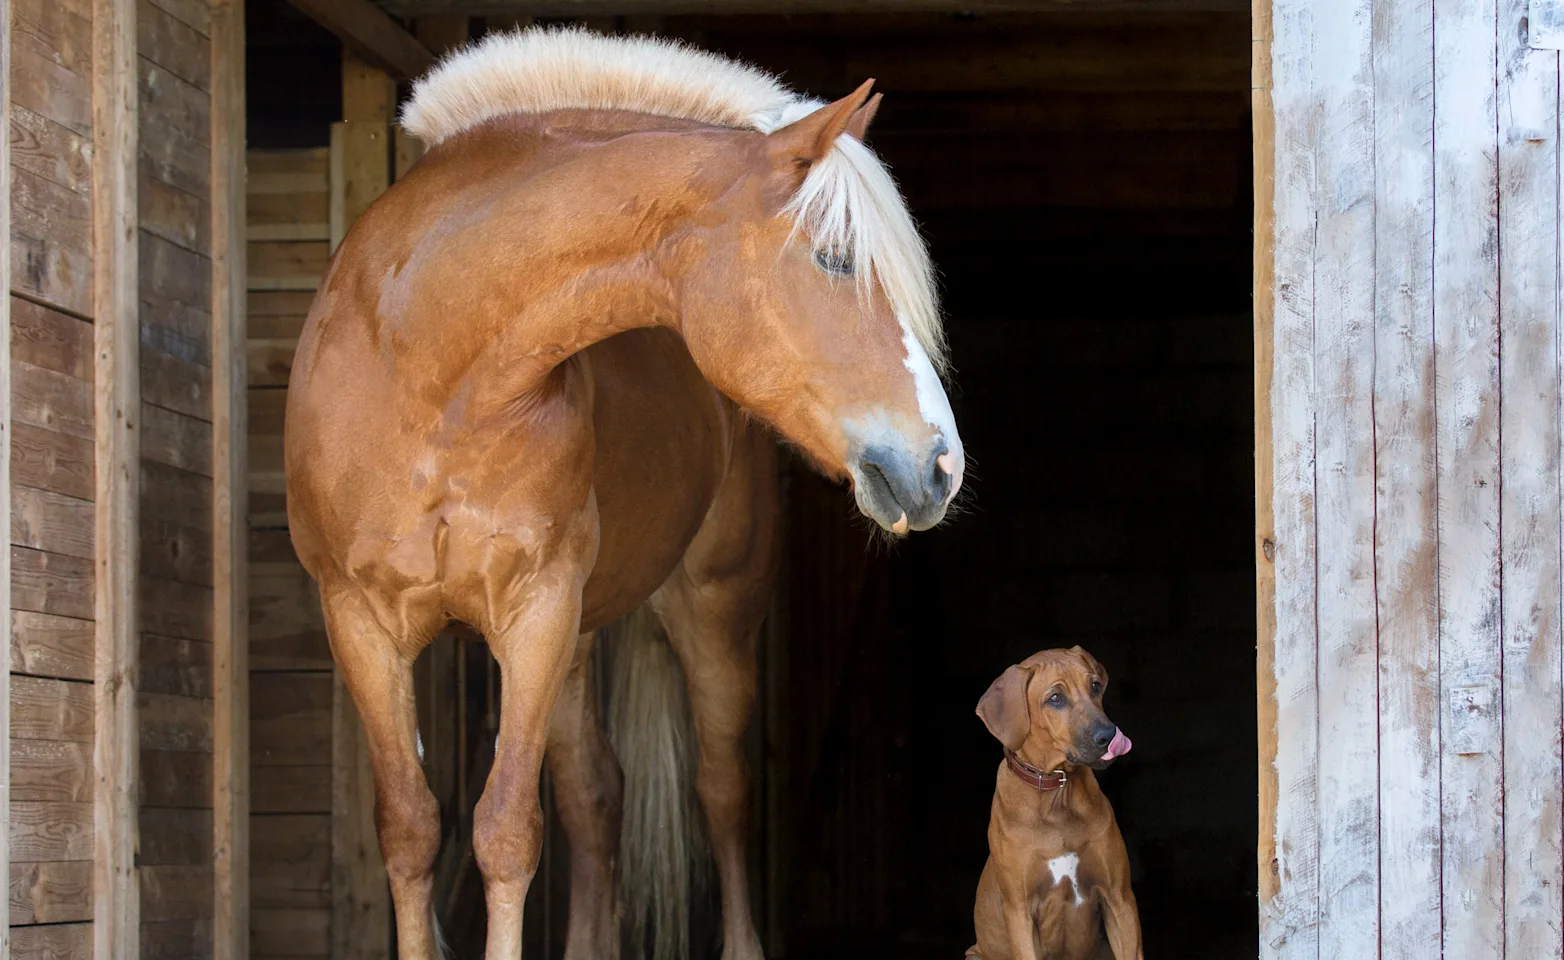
(834, 262)
(1055, 700)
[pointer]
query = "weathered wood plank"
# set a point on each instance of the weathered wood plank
(51, 67)
(176, 779)
(290, 716)
(8, 945)
(176, 440)
(51, 710)
(287, 629)
(48, 646)
(170, 213)
(176, 609)
(51, 461)
(58, 892)
(291, 861)
(1466, 339)
(177, 667)
(288, 216)
(271, 361)
(51, 247)
(193, 13)
(1290, 915)
(51, 583)
(49, 830)
(51, 522)
(49, 150)
(1529, 484)
(292, 265)
(50, 339)
(291, 933)
(293, 789)
(116, 312)
(58, 771)
(176, 939)
(368, 32)
(230, 654)
(63, 941)
(173, 44)
(175, 723)
(180, 155)
(175, 836)
(176, 552)
(176, 496)
(176, 293)
(176, 892)
(51, 401)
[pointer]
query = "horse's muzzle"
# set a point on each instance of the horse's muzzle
(900, 491)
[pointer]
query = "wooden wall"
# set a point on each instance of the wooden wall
(113, 635)
(1408, 375)
(291, 667)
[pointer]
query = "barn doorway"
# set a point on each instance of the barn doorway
(1084, 179)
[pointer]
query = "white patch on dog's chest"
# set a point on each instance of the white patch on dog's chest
(1064, 868)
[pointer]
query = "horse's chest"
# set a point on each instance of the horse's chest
(1066, 915)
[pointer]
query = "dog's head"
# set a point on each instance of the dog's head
(1048, 708)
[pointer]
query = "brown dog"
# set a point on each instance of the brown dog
(1057, 871)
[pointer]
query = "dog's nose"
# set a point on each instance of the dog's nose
(1102, 734)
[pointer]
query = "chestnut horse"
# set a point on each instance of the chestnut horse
(529, 397)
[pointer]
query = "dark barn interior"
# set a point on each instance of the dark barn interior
(1084, 181)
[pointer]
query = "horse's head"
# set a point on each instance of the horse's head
(809, 298)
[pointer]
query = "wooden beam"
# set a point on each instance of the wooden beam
(230, 489)
(371, 34)
(6, 440)
(116, 897)
(360, 896)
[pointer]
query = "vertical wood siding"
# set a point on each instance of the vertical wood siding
(1410, 353)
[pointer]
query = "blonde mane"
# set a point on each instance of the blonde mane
(847, 203)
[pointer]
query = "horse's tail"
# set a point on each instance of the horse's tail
(662, 850)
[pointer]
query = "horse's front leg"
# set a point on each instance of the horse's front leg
(534, 645)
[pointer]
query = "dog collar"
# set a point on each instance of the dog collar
(1043, 780)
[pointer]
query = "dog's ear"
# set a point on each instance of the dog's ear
(1004, 709)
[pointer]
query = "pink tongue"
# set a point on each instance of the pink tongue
(1119, 747)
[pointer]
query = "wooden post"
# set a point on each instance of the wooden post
(116, 297)
(5, 460)
(360, 896)
(230, 530)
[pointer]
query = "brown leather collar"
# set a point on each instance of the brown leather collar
(1043, 780)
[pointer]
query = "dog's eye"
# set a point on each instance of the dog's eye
(1055, 700)
(1096, 688)
(835, 262)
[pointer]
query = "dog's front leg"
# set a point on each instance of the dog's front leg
(1020, 926)
(1121, 919)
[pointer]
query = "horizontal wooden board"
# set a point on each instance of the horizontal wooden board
(188, 939)
(175, 723)
(175, 609)
(287, 628)
(291, 789)
(175, 836)
(52, 522)
(57, 771)
(313, 162)
(59, 892)
(176, 496)
(176, 298)
(267, 407)
(266, 457)
(180, 155)
(51, 583)
(51, 65)
(175, 552)
(176, 440)
(290, 720)
(51, 243)
(50, 830)
(181, 668)
(43, 709)
(196, 14)
(51, 461)
(171, 778)
(276, 313)
(288, 216)
(173, 44)
(49, 339)
(168, 212)
(60, 941)
(176, 384)
(287, 265)
(290, 861)
(270, 361)
(51, 401)
(290, 933)
(176, 892)
(45, 645)
(50, 150)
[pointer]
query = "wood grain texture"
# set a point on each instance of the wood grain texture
(1529, 484)
(230, 544)
(60, 166)
(59, 892)
(65, 941)
(51, 461)
(1466, 338)
(116, 901)
(51, 583)
(42, 831)
(51, 522)
(51, 770)
(44, 645)
(1289, 921)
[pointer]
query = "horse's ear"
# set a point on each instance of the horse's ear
(805, 142)
(862, 117)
